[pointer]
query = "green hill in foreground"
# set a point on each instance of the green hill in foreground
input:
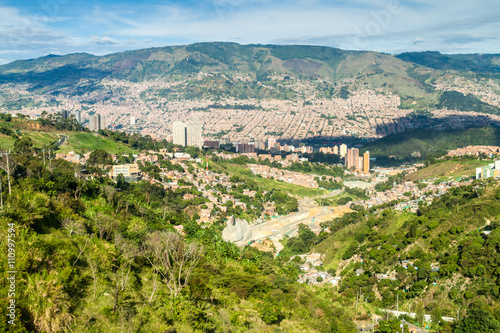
(76, 142)
(96, 256)
(451, 249)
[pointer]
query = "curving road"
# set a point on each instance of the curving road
(276, 229)
(61, 140)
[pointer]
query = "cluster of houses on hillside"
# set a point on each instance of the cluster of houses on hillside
(410, 195)
(476, 151)
(291, 177)
(311, 272)
(207, 182)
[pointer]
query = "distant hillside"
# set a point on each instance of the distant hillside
(148, 83)
(428, 142)
(480, 63)
(259, 61)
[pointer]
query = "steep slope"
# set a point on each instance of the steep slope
(258, 61)
(446, 256)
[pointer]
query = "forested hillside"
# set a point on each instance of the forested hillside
(430, 142)
(96, 255)
(443, 260)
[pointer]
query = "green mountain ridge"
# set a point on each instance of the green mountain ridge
(481, 63)
(229, 71)
(258, 61)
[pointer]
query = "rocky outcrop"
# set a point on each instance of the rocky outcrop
(235, 229)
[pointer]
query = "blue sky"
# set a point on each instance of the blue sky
(33, 28)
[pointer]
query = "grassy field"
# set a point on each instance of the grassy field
(77, 142)
(269, 184)
(84, 142)
(6, 142)
(39, 139)
(336, 201)
(448, 170)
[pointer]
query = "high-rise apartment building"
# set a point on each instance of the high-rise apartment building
(352, 159)
(271, 142)
(65, 114)
(78, 116)
(366, 162)
(97, 122)
(343, 150)
(188, 134)
(215, 144)
(245, 148)
(260, 145)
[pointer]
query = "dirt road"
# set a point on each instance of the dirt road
(309, 214)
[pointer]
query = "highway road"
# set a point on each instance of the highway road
(276, 229)
(61, 140)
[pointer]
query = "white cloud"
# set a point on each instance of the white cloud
(101, 40)
(419, 40)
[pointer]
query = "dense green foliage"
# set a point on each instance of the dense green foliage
(460, 62)
(57, 121)
(303, 243)
(89, 259)
(137, 141)
(454, 100)
(317, 168)
(456, 238)
(430, 142)
(303, 167)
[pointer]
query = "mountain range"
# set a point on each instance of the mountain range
(423, 81)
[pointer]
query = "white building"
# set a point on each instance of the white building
(343, 150)
(78, 116)
(491, 170)
(187, 134)
(127, 170)
(97, 122)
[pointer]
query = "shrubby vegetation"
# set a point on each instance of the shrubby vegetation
(137, 141)
(303, 167)
(456, 238)
(95, 255)
(59, 123)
